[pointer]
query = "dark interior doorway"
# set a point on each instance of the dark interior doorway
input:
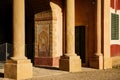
(80, 48)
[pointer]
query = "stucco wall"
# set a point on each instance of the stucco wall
(85, 16)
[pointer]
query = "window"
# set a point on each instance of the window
(114, 26)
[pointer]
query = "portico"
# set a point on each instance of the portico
(54, 36)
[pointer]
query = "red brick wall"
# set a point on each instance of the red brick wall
(115, 4)
(118, 5)
(112, 3)
(115, 50)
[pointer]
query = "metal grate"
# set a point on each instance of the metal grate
(5, 51)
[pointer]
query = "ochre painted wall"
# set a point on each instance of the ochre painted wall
(84, 12)
(85, 16)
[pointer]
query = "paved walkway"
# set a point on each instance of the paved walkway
(48, 73)
(86, 74)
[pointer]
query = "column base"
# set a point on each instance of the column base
(19, 69)
(70, 63)
(96, 61)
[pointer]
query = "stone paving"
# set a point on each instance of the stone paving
(49, 73)
(86, 74)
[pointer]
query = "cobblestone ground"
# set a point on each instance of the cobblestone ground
(86, 74)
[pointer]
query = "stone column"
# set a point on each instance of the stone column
(70, 61)
(98, 29)
(70, 27)
(97, 58)
(18, 29)
(19, 65)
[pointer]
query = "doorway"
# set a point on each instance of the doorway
(80, 43)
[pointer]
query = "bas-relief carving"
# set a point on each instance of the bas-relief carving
(43, 40)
